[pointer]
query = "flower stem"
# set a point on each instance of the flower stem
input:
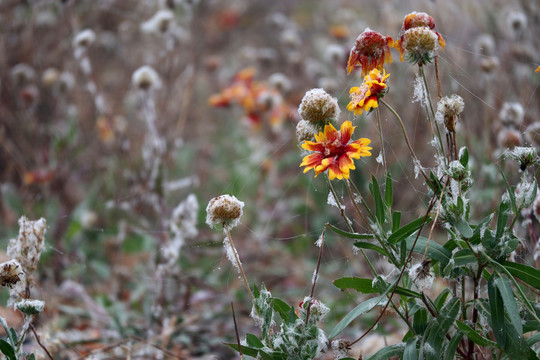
(338, 203)
(381, 139)
(241, 269)
(405, 135)
(431, 111)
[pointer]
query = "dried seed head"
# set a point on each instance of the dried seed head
(449, 108)
(22, 74)
(488, 64)
(421, 275)
(224, 210)
(10, 273)
(84, 38)
(29, 244)
(160, 23)
(516, 22)
(512, 114)
(509, 138)
(305, 131)
(484, 45)
(146, 78)
(280, 81)
(532, 134)
(319, 108)
(420, 44)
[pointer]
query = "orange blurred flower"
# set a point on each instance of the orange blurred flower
(371, 51)
(254, 97)
(335, 151)
(416, 37)
(366, 97)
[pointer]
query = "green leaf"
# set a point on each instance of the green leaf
(253, 341)
(464, 157)
(388, 190)
(348, 234)
(505, 289)
(407, 230)
(396, 220)
(256, 292)
(464, 257)
(365, 286)
(388, 352)
(464, 228)
(420, 321)
(440, 326)
(281, 307)
(32, 357)
(533, 339)
(410, 352)
(502, 219)
(380, 206)
(441, 298)
(496, 309)
(474, 335)
(265, 356)
(245, 349)
(7, 350)
(511, 191)
(525, 273)
(356, 312)
(370, 246)
(435, 250)
(453, 345)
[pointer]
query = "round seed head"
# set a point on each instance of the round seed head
(224, 210)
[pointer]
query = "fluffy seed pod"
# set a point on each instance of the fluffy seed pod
(224, 210)
(512, 114)
(319, 108)
(146, 78)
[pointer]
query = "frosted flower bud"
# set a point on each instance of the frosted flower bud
(10, 273)
(146, 78)
(488, 64)
(526, 156)
(30, 307)
(160, 23)
(421, 275)
(305, 131)
(224, 210)
(319, 108)
(317, 310)
(450, 107)
(22, 73)
(532, 133)
(84, 38)
(509, 138)
(512, 114)
(457, 171)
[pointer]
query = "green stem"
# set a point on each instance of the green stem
(432, 118)
(381, 139)
(338, 203)
(406, 136)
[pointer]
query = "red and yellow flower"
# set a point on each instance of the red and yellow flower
(366, 97)
(371, 51)
(418, 40)
(335, 151)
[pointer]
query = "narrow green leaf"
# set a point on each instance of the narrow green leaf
(256, 292)
(453, 345)
(464, 257)
(502, 219)
(396, 220)
(420, 321)
(505, 289)
(246, 350)
(356, 312)
(496, 309)
(380, 206)
(410, 352)
(348, 234)
(253, 341)
(407, 230)
(441, 326)
(533, 339)
(370, 246)
(7, 350)
(441, 298)
(474, 335)
(511, 191)
(525, 273)
(388, 352)
(435, 250)
(388, 190)
(365, 286)
(464, 157)
(265, 356)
